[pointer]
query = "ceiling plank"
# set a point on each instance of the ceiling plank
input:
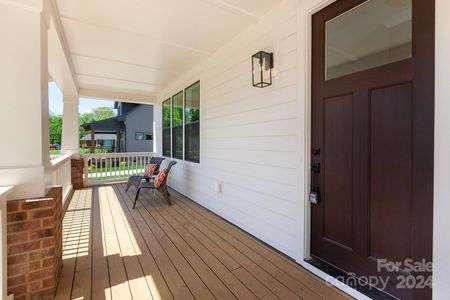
(109, 95)
(124, 63)
(234, 9)
(35, 5)
(180, 46)
(120, 79)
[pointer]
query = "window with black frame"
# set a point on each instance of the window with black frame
(167, 131)
(139, 136)
(192, 124)
(177, 125)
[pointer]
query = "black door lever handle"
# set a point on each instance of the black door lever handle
(314, 197)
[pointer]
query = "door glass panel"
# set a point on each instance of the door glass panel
(375, 33)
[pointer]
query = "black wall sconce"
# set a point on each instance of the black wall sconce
(262, 65)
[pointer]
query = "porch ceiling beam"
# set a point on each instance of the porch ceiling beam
(234, 9)
(112, 28)
(112, 95)
(54, 11)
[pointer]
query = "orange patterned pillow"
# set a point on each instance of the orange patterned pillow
(160, 178)
(150, 170)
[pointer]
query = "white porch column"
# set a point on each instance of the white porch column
(70, 127)
(24, 151)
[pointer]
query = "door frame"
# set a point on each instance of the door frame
(304, 92)
(305, 13)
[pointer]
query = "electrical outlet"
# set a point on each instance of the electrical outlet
(218, 187)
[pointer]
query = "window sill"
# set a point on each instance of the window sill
(184, 162)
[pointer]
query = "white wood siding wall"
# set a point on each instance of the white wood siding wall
(256, 140)
(249, 136)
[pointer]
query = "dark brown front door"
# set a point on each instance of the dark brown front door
(372, 134)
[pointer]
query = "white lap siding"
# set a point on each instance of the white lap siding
(249, 136)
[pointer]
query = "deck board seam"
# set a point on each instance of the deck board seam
(188, 244)
(162, 248)
(249, 271)
(304, 287)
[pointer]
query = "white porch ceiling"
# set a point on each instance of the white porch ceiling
(141, 46)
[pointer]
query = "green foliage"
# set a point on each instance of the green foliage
(192, 115)
(101, 113)
(55, 152)
(55, 129)
(84, 119)
(82, 151)
(166, 114)
(177, 116)
(97, 114)
(97, 150)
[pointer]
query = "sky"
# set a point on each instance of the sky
(86, 105)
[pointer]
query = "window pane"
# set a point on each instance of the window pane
(166, 107)
(177, 125)
(139, 136)
(192, 112)
(375, 33)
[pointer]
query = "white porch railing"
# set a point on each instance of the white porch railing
(62, 174)
(112, 167)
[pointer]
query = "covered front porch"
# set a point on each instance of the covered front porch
(268, 177)
(183, 251)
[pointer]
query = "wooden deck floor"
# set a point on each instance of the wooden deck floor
(158, 251)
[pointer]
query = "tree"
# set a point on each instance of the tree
(97, 114)
(55, 129)
(101, 113)
(55, 122)
(84, 119)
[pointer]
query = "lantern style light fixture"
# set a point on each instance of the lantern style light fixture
(262, 65)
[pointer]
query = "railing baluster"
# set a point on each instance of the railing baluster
(115, 167)
(139, 165)
(93, 168)
(105, 167)
(116, 170)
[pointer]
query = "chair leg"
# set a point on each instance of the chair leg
(128, 186)
(166, 195)
(136, 197)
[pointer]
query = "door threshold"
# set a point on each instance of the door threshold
(342, 276)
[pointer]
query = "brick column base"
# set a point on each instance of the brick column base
(77, 173)
(34, 233)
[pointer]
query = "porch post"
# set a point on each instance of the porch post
(70, 128)
(92, 141)
(24, 154)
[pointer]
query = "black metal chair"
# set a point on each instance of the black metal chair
(151, 186)
(136, 180)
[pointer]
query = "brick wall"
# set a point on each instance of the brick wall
(77, 173)
(34, 233)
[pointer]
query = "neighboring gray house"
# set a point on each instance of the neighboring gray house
(138, 128)
(133, 127)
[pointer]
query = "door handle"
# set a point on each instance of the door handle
(314, 197)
